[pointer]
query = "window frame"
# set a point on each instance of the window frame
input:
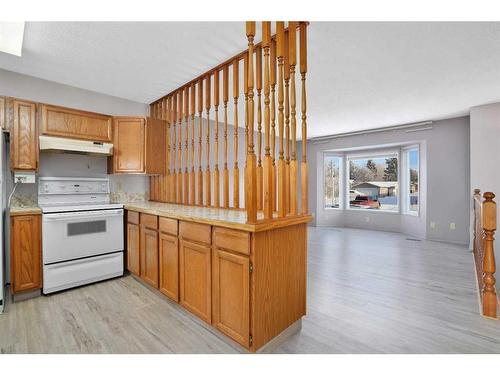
(340, 156)
(372, 154)
(406, 191)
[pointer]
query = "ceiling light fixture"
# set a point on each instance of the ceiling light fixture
(11, 37)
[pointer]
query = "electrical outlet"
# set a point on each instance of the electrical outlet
(453, 226)
(24, 177)
(433, 225)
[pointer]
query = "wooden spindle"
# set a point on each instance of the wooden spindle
(292, 45)
(286, 73)
(208, 177)
(258, 86)
(225, 173)
(174, 150)
(185, 198)
(303, 71)
(489, 296)
(267, 169)
(251, 181)
(280, 36)
(273, 122)
(200, 143)
(167, 177)
(192, 178)
(236, 171)
(216, 139)
(245, 92)
(179, 172)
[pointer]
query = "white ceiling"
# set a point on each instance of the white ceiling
(361, 75)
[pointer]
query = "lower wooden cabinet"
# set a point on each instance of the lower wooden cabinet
(231, 295)
(195, 279)
(26, 253)
(169, 265)
(133, 249)
(149, 256)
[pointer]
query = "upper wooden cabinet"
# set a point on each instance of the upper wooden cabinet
(139, 146)
(72, 123)
(26, 254)
(21, 116)
(129, 145)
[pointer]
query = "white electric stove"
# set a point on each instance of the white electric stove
(82, 232)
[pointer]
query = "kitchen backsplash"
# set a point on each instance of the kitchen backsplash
(124, 188)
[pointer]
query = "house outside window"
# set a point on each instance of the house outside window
(374, 182)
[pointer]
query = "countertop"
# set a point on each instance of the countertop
(31, 209)
(229, 218)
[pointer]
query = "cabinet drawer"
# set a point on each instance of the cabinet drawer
(149, 221)
(195, 232)
(230, 239)
(168, 225)
(133, 217)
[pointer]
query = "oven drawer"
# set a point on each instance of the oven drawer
(73, 235)
(73, 273)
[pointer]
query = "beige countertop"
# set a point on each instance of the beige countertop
(229, 218)
(25, 210)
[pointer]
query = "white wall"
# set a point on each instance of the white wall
(485, 150)
(445, 181)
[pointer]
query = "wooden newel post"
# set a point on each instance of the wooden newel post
(489, 295)
(251, 167)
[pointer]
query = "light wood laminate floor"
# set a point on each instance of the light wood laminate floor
(368, 292)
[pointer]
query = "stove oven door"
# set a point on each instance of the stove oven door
(74, 235)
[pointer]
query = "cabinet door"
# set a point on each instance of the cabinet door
(231, 297)
(195, 279)
(169, 266)
(156, 146)
(72, 123)
(133, 254)
(24, 140)
(129, 145)
(25, 253)
(149, 256)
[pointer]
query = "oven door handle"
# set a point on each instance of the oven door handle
(65, 216)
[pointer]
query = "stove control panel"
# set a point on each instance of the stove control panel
(57, 186)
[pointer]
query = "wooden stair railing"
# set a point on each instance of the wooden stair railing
(485, 217)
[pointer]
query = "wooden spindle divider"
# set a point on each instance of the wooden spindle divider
(272, 78)
(200, 143)
(179, 174)
(192, 175)
(292, 45)
(208, 173)
(267, 169)
(280, 36)
(258, 86)
(185, 191)
(236, 171)
(225, 173)
(251, 180)
(304, 177)
(216, 139)
(286, 73)
(271, 173)
(174, 150)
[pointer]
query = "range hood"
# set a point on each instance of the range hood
(74, 145)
